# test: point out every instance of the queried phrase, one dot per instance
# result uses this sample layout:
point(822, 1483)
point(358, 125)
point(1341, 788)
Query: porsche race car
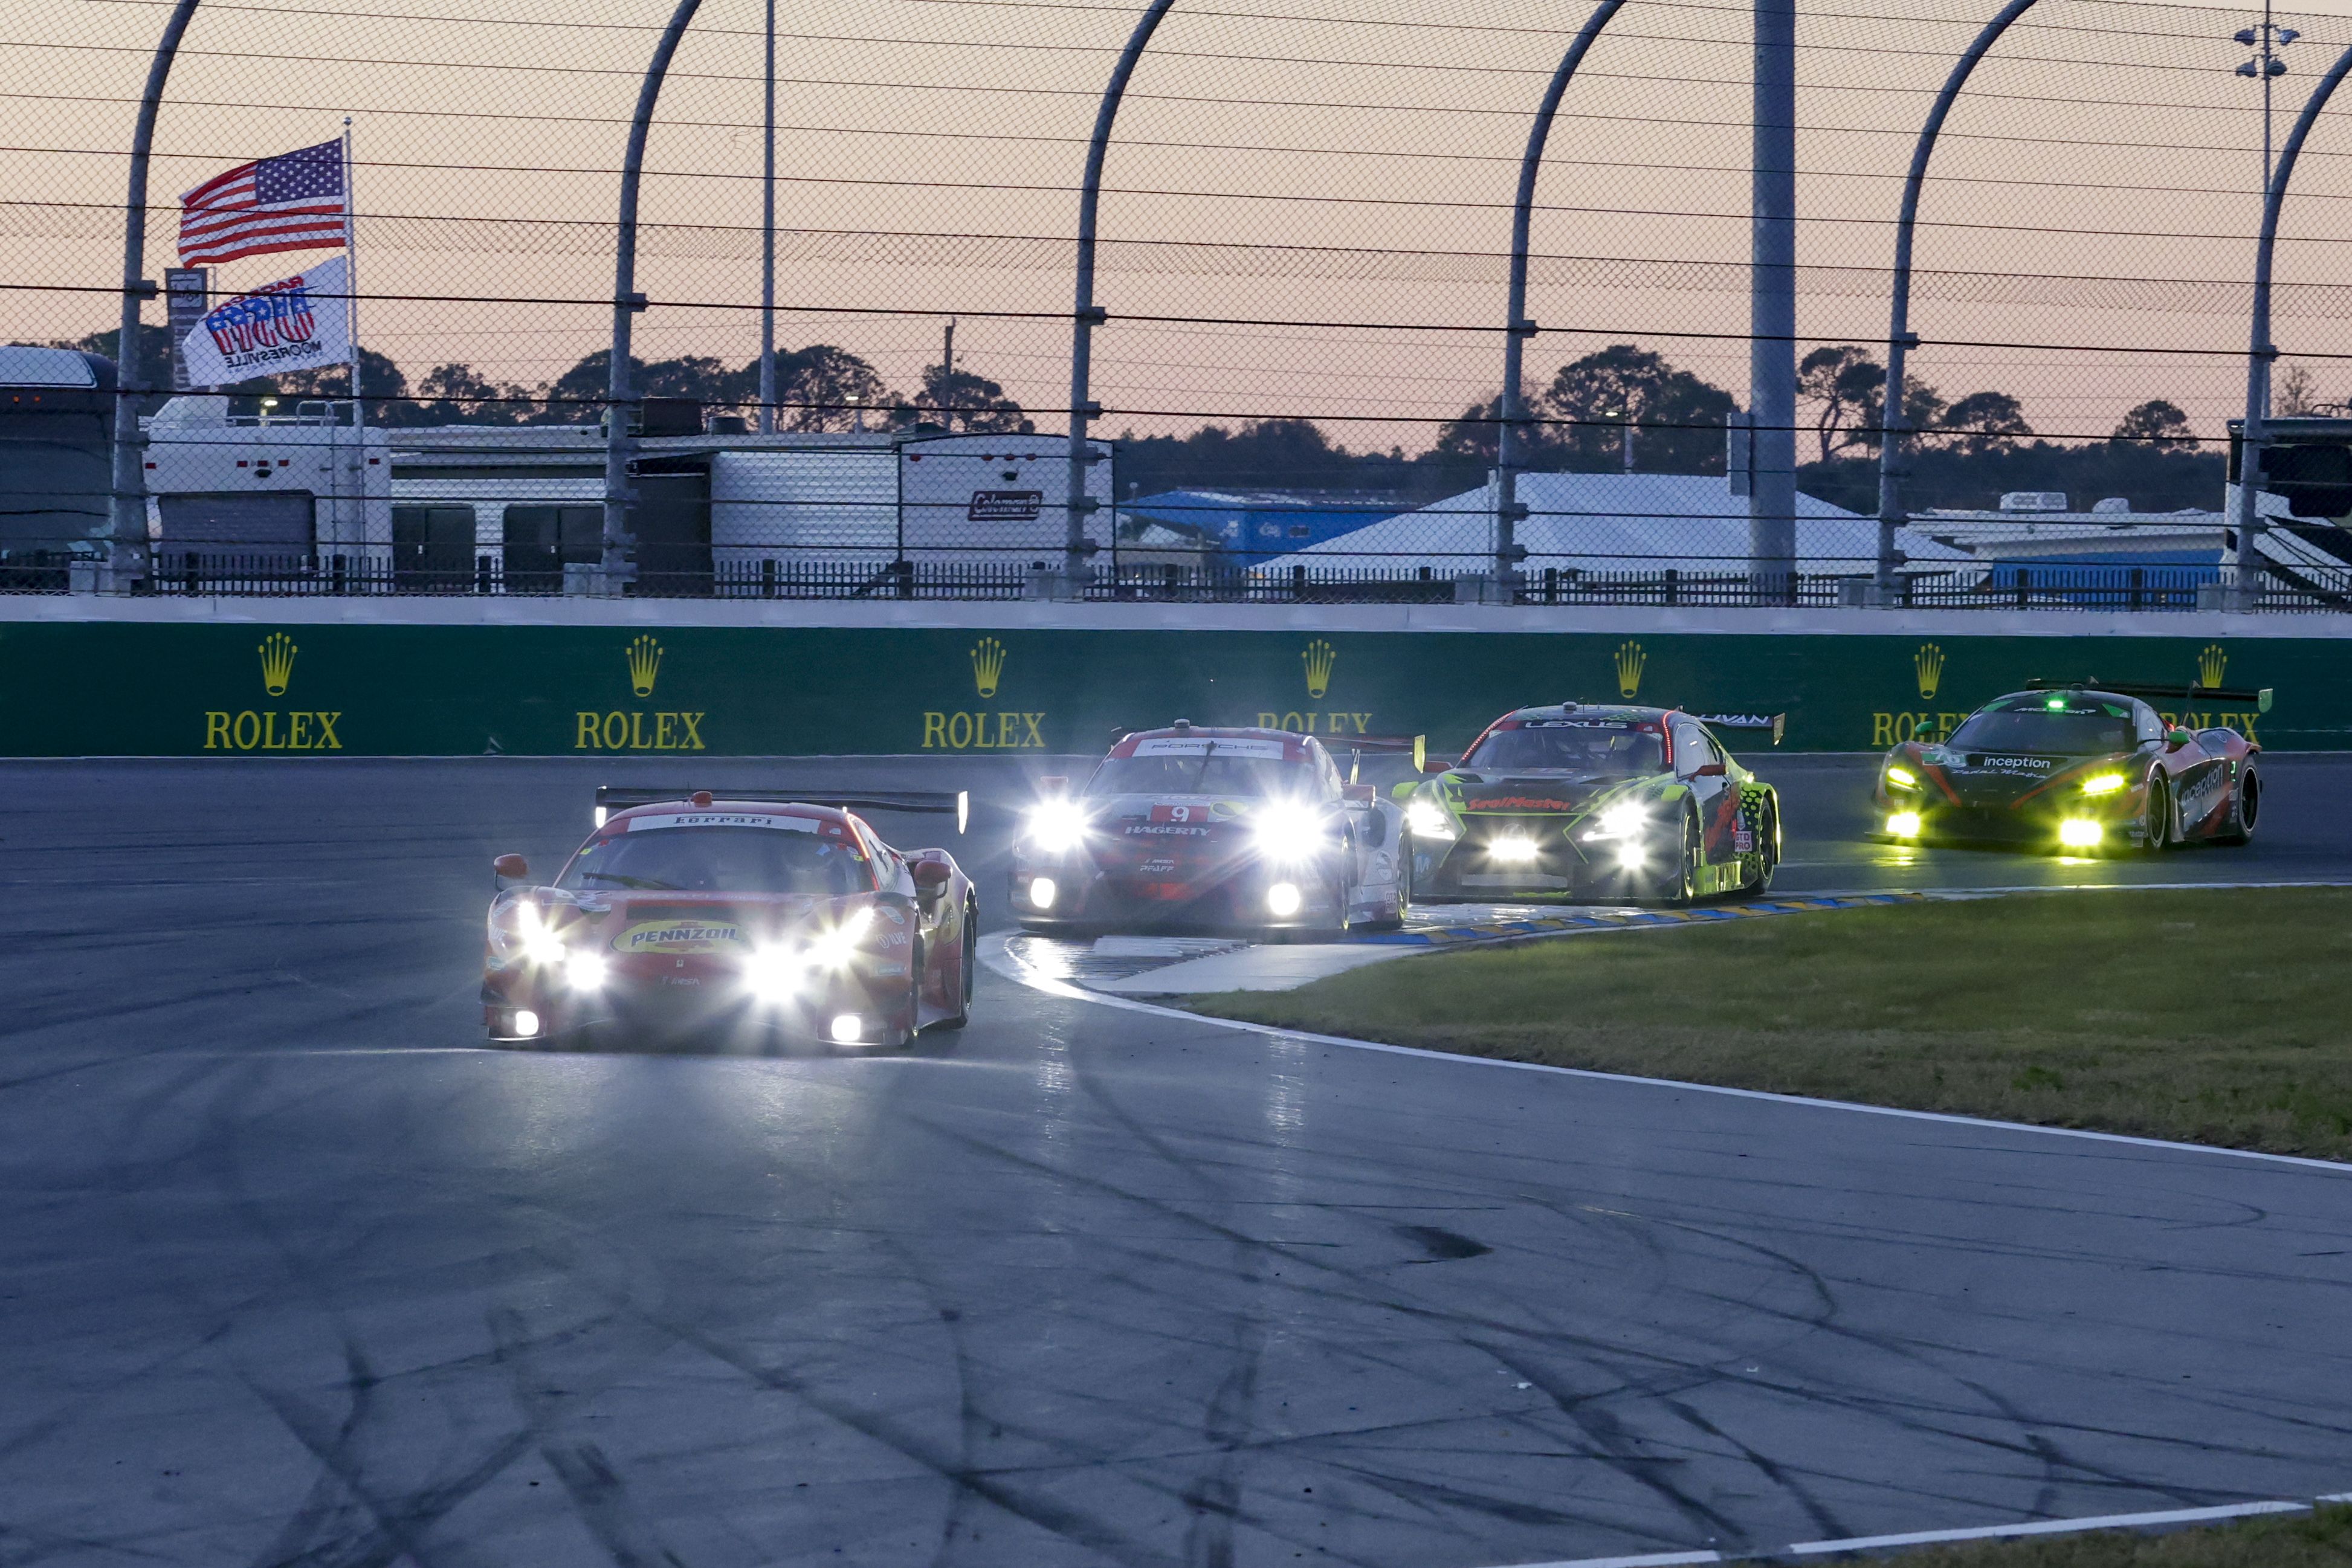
point(1578, 802)
point(2077, 769)
point(748, 917)
point(1240, 829)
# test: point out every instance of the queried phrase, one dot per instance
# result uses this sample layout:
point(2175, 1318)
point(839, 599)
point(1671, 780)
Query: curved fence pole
point(1898, 329)
point(127, 547)
point(618, 565)
point(2246, 516)
point(1089, 315)
point(1516, 327)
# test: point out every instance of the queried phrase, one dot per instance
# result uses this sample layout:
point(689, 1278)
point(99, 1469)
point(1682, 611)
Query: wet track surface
point(292, 1272)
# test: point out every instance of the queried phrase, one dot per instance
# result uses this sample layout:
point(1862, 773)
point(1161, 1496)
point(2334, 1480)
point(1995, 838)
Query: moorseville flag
point(293, 202)
point(296, 323)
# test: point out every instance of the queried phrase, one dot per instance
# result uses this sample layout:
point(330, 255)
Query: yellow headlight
point(1903, 777)
point(2076, 833)
point(2104, 783)
point(1903, 825)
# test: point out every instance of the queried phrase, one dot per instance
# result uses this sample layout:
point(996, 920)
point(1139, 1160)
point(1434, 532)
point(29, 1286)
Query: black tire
point(2245, 805)
point(1679, 888)
point(2156, 834)
point(1767, 846)
point(971, 958)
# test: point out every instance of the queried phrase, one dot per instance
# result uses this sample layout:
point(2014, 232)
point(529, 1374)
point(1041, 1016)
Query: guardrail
point(1978, 586)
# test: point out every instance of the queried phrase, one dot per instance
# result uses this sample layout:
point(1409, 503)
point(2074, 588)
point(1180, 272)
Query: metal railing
point(1975, 586)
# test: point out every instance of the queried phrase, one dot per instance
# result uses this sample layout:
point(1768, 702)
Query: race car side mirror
point(2177, 739)
point(509, 870)
point(930, 877)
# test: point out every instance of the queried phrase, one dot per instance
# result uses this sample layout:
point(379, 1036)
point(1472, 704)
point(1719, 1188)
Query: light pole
point(2246, 514)
point(767, 245)
point(618, 564)
point(1898, 327)
point(2266, 40)
point(127, 547)
point(1516, 329)
point(1088, 315)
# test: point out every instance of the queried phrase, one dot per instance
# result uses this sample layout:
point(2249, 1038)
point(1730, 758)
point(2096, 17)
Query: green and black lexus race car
point(1577, 801)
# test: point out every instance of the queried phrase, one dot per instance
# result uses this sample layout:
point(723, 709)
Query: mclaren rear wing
point(611, 798)
point(2258, 695)
point(1778, 723)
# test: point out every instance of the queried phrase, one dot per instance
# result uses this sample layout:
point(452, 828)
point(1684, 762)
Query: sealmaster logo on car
point(683, 937)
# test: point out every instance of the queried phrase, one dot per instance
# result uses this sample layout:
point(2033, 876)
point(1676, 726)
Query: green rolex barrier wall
point(197, 688)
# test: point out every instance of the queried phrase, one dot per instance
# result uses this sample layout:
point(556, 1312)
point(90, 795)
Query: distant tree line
point(1619, 407)
point(818, 388)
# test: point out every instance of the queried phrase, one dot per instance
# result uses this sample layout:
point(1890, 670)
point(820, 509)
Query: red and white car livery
point(750, 916)
point(1212, 828)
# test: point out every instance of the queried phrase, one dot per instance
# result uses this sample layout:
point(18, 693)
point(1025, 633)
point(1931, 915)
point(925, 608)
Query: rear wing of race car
point(1358, 746)
point(611, 798)
point(1778, 723)
point(2258, 695)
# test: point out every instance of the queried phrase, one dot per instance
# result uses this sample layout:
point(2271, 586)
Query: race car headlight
point(834, 949)
point(2080, 833)
point(2104, 783)
point(1625, 820)
point(1903, 825)
point(1515, 850)
point(1902, 779)
point(773, 973)
point(539, 944)
point(585, 970)
point(1429, 820)
point(1288, 830)
point(1057, 827)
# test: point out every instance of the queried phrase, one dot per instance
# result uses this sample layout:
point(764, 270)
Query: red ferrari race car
point(1251, 829)
point(745, 918)
point(2078, 768)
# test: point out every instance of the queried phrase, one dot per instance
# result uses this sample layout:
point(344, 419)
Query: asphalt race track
point(293, 1271)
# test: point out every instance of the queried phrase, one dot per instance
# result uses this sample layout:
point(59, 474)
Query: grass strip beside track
point(2211, 1017)
point(2320, 1539)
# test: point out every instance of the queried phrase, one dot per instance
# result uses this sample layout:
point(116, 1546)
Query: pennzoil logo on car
point(680, 937)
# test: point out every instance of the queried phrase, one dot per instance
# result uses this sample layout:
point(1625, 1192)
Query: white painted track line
point(993, 953)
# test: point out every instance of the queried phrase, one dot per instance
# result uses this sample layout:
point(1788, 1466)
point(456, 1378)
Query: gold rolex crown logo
point(987, 665)
point(2211, 666)
point(1629, 660)
point(644, 663)
point(1929, 662)
point(278, 652)
point(1319, 658)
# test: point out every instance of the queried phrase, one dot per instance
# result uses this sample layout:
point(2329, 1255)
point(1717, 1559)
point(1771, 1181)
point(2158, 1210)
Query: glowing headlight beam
point(1903, 825)
point(585, 970)
point(1057, 827)
point(1288, 830)
point(2080, 833)
point(539, 944)
point(1515, 850)
point(2104, 783)
point(1429, 820)
point(835, 949)
point(1903, 777)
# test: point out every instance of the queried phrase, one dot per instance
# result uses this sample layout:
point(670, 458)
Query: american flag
point(291, 202)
